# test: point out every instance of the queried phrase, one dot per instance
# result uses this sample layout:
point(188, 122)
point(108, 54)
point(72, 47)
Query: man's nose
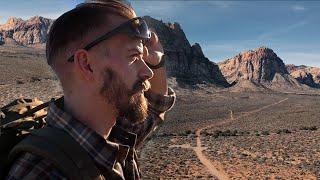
point(145, 72)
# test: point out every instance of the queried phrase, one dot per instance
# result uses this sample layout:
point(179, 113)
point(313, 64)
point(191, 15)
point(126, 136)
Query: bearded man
point(113, 77)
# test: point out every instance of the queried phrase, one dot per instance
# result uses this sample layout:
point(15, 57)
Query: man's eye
point(135, 57)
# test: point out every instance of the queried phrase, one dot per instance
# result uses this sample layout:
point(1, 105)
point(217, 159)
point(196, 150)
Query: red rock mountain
point(260, 68)
point(25, 32)
point(305, 74)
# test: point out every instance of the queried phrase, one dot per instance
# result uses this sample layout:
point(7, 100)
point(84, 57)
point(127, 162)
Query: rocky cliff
point(25, 32)
point(184, 61)
point(305, 74)
point(260, 68)
point(257, 65)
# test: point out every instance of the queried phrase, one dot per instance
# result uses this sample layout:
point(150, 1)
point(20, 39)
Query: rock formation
point(29, 32)
point(261, 68)
point(305, 74)
point(185, 62)
point(258, 65)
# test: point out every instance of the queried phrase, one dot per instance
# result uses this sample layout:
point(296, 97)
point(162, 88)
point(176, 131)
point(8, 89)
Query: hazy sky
point(222, 28)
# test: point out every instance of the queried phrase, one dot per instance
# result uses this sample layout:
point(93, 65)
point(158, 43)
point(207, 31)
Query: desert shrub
point(217, 133)
point(183, 133)
point(20, 82)
point(34, 79)
point(206, 133)
point(188, 132)
point(234, 133)
point(286, 131)
point(312, 128)
point(228, 132)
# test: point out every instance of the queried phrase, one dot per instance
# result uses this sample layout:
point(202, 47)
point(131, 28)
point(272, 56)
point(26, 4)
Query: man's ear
point(82, 62)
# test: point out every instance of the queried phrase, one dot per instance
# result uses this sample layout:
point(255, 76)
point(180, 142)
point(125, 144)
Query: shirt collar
point(104, 152)
point(122, 136)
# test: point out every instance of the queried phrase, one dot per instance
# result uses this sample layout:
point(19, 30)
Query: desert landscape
point(237, 136)
point(248, 117)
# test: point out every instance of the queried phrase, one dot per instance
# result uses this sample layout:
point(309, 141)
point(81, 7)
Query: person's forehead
point(115, 19)
point(125, 43)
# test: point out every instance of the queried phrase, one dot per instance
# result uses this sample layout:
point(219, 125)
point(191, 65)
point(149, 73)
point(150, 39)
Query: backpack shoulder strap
point(61, 149)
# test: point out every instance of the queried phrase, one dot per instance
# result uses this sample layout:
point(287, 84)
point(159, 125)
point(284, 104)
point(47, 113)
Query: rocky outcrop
point(184, 61)
point(305, 74)
point(260, 68)
point(26, 32)
point(258, 65)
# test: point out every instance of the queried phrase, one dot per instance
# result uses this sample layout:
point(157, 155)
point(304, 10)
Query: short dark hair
point(78, 22)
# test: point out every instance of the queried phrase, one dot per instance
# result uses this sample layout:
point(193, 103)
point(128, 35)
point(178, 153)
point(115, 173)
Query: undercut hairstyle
point(76, 24)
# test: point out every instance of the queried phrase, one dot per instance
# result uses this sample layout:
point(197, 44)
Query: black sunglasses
point(136, 27)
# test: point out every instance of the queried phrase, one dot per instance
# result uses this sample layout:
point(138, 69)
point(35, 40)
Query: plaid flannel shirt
point(115, 157)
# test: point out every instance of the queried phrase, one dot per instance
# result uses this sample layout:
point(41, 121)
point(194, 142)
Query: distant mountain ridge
point(184, 62)
point(258, 69)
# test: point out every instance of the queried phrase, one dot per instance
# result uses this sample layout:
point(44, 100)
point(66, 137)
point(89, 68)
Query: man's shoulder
point(31, 166)
point(51, 152)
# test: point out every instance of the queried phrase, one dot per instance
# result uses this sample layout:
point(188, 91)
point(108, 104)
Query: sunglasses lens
point(144, 30)
point(141, 30)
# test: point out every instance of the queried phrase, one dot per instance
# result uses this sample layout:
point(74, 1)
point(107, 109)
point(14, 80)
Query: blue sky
point(222, 28)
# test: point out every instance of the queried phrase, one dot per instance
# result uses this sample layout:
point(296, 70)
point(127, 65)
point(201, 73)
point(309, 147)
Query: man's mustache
point(141, 85)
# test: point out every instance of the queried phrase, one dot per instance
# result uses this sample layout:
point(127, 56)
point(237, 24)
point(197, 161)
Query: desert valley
point(247, 117)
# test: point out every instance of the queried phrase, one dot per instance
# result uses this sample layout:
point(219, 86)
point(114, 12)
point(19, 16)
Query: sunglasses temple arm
point(93, 43)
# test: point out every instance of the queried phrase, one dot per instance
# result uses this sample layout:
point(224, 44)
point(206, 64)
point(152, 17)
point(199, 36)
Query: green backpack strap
point(61, 149)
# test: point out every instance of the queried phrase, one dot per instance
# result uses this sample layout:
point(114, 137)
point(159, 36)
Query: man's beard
point(130, 103)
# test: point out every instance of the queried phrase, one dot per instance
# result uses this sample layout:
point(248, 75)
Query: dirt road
point(212, 166)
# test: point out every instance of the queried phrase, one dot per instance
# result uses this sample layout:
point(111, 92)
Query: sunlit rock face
point(26, 32)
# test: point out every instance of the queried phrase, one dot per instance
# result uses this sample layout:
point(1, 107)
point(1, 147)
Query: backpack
point(23, 129)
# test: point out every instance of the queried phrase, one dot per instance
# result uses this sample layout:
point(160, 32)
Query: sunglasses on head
point(136, 27)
